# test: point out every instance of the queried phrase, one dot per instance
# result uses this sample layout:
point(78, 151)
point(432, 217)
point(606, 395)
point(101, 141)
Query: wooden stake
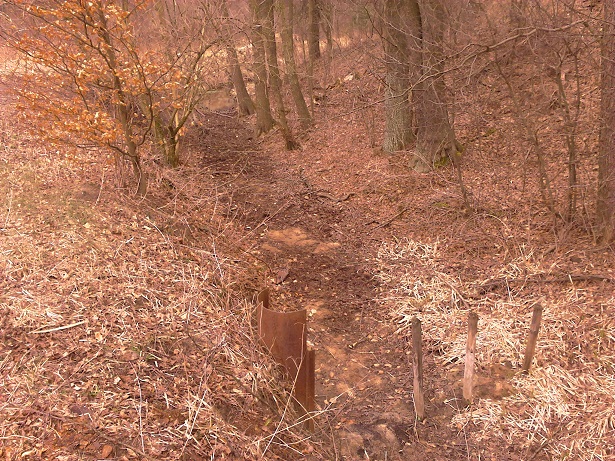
point(468, 375)
point(417, 368)
point(533, 338)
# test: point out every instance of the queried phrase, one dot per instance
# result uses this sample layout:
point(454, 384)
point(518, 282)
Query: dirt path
point(317, 223)
point(322, 243)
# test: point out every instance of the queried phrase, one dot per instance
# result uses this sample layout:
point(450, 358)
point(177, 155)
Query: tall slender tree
point(326, 14)
point(313, 29)
point(245, 104)
point(275, 81)
point(264, 118)
point(288, 47)
point(606, 160)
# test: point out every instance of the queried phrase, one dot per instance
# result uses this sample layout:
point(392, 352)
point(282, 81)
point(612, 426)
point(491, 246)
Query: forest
point(307, 230)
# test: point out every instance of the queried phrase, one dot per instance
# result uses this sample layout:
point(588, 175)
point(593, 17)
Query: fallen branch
point(63, 327)
point(562, 279)
point(389, 221)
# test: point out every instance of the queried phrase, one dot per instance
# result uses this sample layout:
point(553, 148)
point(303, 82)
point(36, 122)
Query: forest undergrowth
point(126, 324)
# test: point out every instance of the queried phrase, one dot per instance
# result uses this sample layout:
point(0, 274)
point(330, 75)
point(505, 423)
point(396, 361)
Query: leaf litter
point(566, 402)
point(122, 336)
point(164, 364)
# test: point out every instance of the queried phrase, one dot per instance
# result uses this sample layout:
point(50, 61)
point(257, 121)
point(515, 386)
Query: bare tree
point(606, 159)
point(109, 56)
point(288, 47)
point(314, 29)
point(182, 33)
point(264, 118)
point(413, 37)
point(245, 104)
point(94, 82)
point(275, 81)
point(111, 74)
point(326, 13)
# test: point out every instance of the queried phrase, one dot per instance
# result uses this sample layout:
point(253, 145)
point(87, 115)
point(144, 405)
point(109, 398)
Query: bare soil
point(326, 239)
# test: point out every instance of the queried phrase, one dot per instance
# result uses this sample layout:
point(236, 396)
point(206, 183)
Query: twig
point(389, 221)
point(452, 287)
point(221, 114)
point(533, 338)
point(64, 327)
point(102, 183)
point(305, 181)
point(140, 410)
point(321, 193)
point(191, 424)
point(563, 279)
point(468, 375)
point(417, 369)
point(124, 445)
point(121, 245)
point(265, 221)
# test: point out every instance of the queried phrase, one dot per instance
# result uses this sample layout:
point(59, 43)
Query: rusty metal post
point(284, 334)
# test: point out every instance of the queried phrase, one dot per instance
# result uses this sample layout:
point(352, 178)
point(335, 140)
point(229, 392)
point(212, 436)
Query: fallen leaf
point(106, 451)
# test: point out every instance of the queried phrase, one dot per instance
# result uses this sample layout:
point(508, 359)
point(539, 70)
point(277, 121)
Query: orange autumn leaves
point(100, 74)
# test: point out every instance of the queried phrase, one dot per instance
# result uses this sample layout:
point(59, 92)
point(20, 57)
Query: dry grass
point(125, 329)
point(566, 404)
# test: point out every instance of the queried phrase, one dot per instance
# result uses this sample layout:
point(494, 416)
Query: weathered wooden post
point(417, 368)
point(533, 338)
point(468, 375)
point(285, 336)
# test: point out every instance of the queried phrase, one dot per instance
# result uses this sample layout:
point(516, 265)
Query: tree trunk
point(314, 29)
point(275, 82)
point(264, 119)
point(245, 105)
point(398, 130)
point(435, 136)
point(605, 209)
point(288, 47)
point(121, 107)
point(168, 141)
point(326, 11)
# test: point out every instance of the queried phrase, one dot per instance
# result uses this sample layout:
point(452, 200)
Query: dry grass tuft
point(124, 326)
point(566, 404)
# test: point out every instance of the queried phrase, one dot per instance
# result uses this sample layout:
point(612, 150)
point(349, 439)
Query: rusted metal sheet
point(284, 334)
